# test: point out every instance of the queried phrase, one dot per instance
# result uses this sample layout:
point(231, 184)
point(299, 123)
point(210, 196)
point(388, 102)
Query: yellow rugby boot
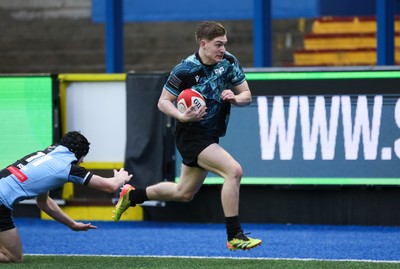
point(242, 242)
point(123, 202)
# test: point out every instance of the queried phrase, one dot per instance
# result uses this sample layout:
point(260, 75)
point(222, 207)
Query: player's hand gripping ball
point(188, 97)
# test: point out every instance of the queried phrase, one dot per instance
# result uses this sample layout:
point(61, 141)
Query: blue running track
point(375, 243)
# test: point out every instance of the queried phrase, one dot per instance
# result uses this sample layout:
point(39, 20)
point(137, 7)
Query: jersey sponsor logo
point(17, 173)
point(219, 71)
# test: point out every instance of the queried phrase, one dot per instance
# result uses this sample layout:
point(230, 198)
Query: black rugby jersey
point(210, 81)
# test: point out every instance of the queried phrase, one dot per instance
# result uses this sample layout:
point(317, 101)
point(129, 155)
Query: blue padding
point(178, 10)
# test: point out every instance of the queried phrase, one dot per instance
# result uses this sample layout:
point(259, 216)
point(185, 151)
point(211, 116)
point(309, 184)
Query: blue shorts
point(6, 219)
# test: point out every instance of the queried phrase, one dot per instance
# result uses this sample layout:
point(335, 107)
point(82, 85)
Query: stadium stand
point(338, 41)
point(55, 36)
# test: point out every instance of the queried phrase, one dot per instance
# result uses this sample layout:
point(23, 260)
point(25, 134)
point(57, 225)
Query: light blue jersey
point(39, 173)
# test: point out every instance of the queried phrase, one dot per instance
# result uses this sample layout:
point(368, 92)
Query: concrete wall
point(58, 36)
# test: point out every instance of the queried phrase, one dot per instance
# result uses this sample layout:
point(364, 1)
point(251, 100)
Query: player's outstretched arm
point(51, 208)
point(111, 184)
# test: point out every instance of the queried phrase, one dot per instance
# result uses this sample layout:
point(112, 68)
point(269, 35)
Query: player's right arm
point(47, 205)
point(167, 106)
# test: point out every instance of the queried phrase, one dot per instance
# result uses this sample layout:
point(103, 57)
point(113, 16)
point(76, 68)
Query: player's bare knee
point(7, 258)
point(237, 173)
point(18, 259)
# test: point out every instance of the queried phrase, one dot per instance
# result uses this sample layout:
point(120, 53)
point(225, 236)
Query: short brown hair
point(209, 30)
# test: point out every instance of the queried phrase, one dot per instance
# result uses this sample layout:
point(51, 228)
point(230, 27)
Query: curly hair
point(76, 143)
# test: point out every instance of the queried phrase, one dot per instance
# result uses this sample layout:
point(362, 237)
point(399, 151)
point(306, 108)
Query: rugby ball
point(188, 97)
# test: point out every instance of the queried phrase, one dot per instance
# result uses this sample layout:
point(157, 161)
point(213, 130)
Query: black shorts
point(190, 143)
point(6, 220)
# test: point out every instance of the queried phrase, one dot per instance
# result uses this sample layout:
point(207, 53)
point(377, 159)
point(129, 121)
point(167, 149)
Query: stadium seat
point(341, 41)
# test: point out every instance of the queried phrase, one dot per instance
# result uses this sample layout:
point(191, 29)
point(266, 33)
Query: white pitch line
point(220, 257)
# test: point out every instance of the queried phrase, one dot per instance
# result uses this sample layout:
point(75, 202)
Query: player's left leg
point(217, 160)
point(10, 242)
point(10, 246)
